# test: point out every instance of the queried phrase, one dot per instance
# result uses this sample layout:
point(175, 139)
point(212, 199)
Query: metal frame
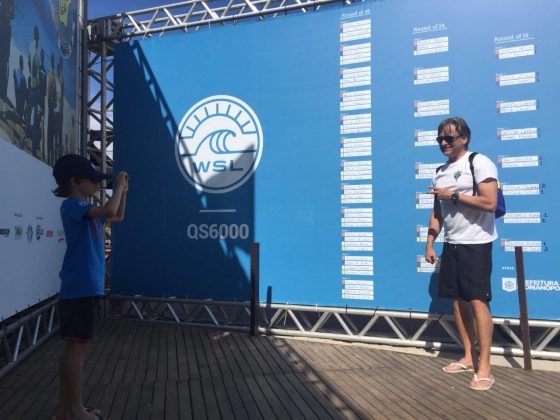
point(99, 108)
point(22, 334)
point(197, 13)
point(397, 328)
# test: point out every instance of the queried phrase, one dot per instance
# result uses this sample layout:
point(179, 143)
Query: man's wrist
point(455, 197)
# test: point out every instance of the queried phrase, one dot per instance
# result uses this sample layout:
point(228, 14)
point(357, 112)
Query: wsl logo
point(219, 144)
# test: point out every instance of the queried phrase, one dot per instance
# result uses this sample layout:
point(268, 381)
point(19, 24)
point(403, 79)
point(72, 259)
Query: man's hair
point(460, 125)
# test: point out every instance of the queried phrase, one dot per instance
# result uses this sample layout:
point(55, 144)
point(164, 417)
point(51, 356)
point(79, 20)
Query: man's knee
point(480, 306)
point(460, 304)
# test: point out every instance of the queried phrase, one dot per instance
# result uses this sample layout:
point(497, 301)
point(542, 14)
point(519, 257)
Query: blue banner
point(315, 136)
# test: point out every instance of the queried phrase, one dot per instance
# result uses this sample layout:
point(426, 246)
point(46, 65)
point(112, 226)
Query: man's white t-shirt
point(463, 224)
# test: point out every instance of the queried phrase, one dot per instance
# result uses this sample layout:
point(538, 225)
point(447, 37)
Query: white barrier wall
point(32, 241)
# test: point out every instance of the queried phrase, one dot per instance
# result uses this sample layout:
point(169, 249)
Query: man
point(58, 138)
point(34, 64)
point(468, 219)
point(20, 88)
point(6, 17)
point(52, 102)
point(42, 109)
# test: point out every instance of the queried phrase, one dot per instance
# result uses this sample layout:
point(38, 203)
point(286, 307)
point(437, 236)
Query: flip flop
point(93, 410)
point(464, 368)
point(490, 382)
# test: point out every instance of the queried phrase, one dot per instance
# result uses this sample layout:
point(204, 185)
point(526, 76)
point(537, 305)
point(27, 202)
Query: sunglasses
point(448, 139)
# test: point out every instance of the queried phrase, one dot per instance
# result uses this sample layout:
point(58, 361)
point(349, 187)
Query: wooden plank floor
point(140, 370)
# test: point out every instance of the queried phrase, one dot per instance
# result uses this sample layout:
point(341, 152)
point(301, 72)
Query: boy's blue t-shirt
point(83, 269)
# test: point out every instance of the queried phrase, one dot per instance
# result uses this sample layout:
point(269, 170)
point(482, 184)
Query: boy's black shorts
point(465, 271)
point(77, 318)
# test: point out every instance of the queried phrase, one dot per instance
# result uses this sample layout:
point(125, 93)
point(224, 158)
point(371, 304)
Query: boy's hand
point(122, 180)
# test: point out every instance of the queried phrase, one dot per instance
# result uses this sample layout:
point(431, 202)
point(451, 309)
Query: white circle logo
point(219, 144)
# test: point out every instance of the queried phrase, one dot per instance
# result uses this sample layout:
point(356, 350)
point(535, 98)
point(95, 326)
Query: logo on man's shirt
point(457, 175)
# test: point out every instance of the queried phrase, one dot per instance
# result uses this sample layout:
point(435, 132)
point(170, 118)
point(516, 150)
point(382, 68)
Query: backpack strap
point(474, 185)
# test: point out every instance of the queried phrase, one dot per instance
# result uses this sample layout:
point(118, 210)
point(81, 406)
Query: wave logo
point(219, 144)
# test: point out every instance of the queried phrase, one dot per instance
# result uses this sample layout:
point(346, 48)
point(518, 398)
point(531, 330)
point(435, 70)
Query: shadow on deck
point(140, 370)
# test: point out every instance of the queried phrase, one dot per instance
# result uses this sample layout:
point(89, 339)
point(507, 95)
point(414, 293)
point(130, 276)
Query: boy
point(83, 270)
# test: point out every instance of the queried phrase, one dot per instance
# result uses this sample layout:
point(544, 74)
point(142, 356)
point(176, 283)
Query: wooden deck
point(140, 370)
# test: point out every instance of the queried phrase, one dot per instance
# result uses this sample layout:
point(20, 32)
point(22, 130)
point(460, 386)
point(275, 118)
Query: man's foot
point(459, 366)
point(482, 383)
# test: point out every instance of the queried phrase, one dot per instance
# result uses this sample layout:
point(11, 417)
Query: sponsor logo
point(219, 144)
point(39, 232)
point(18, 230)
point(509, 284)
point(29, 233)
point(60, 234)
point(543, 285)
point(5, 232)
point(50, 233)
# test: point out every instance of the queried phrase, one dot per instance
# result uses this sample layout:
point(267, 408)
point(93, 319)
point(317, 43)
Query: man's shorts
point(77, 318)
point(465, 271)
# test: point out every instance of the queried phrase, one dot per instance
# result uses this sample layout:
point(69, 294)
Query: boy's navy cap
point(69, 166)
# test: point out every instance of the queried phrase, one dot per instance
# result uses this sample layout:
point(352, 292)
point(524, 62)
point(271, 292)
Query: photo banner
point(38, 115)
point(314, 135)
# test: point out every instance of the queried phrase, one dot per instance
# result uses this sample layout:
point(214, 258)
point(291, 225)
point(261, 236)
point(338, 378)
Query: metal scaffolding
point(25, 333)
point(374, 326)
point(193, 14)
